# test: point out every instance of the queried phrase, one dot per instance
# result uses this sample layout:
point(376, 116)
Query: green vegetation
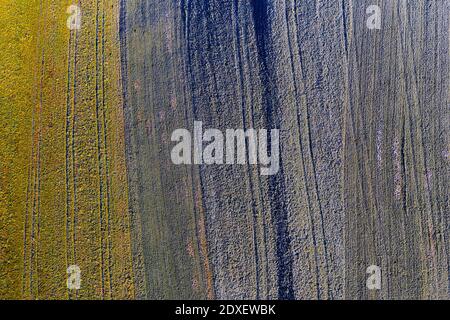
point(63, 197)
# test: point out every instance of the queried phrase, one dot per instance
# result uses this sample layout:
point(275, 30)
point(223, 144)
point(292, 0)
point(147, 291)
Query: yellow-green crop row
point(18, 54)
point(63, 196)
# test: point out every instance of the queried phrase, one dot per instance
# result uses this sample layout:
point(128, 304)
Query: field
point(86, 176)
point(63, 177)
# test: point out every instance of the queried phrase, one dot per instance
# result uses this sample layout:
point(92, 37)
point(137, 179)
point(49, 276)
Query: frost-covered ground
point(364, 122)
